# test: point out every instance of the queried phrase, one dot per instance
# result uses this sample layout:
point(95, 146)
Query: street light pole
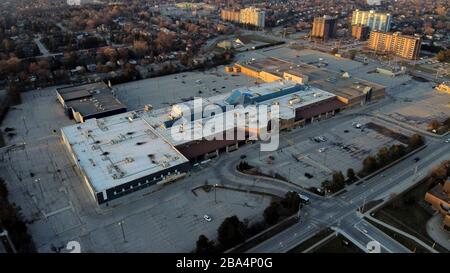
point(215, 193)
point(298, 212)
point(123, 231)
point(10, 243)
point(364, 204)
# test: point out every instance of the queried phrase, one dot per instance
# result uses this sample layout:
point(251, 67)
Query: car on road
point(308, 175)
point(416, 159)
point(207, 218)
point(243, 156)
point(320, 139)
point(304, 199)
point(447, 140)
point(321, 150)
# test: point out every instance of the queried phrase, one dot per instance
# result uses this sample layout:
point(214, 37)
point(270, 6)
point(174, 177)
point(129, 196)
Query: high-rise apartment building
point(253, 16)
point(380, 21)
point(324, 27)
point(360, 32)
point(230, 15)
point(404, 46)
point(248, 16)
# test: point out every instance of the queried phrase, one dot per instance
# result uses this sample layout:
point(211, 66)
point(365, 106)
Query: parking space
point(59, 208)
point(176, 229)
point(43, 181)
point(39, 116)
point(309, 162)
point(368, 73)
point(416, 104)
point(166, 90)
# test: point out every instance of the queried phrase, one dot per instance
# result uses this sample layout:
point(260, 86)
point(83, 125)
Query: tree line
point(11, 219)
point(233, 231)
point(372, 163)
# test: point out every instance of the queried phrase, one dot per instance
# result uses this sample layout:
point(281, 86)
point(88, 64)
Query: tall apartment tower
point(324, 27)
point(230, 15)
point(253, 16)
point(360, 32)
point(380, 21)
point(404, 46)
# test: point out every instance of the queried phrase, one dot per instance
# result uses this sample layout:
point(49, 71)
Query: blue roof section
point(246, 97)
point(233, 99)
point(280, 93)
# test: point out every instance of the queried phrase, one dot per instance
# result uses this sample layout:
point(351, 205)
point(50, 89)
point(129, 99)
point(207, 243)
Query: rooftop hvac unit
point(148, 108)
point(294, 101)
point(129, 159)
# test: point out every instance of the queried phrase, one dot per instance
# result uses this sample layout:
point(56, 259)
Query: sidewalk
point(437, 233)
point(401, 232)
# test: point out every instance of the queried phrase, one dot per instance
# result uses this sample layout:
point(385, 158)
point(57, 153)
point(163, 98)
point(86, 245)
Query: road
point(44, 51)
point(361, 233)
point(430, 77)
point(339, 211)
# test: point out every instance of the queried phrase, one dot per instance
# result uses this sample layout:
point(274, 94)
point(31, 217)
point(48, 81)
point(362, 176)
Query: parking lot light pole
point(10, 243)
point(123, 231)
point(215, 193)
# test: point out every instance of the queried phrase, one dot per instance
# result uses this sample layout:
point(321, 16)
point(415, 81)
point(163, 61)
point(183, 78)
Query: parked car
point(207, 218)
